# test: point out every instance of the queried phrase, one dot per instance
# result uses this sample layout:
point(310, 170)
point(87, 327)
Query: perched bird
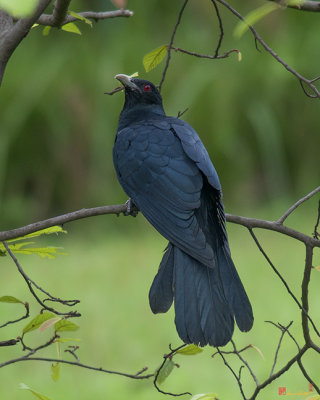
point(166, 171)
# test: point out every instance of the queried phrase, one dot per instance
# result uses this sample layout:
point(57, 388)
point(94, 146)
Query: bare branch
point(302, 79)
point(62, 219)
point(171, 43)
point(297, 204)
point(307, 5)
point(60, 11)
point(233, 373)
point(29, 282)
point(216, 53)
point(26, 305)
point(283, 331)
point(211, 57)
point(304, 294)
point(48, 19)
point(156, 375)
point(11, 38)
point(304, 311)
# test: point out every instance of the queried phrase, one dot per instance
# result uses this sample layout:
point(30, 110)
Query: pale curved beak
point(126, 81)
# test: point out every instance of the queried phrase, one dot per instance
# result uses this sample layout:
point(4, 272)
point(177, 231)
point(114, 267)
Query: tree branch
point(48, 19)
point(302, 79)
point(307, 5)
point(297, 204)
point(11, 38)
point(60, 11)
point(171, 43)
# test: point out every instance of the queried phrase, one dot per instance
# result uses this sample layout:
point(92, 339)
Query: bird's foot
point(131, 209)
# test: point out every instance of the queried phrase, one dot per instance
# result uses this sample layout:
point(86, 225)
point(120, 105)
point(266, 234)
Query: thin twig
point(29, 283)
point(305, 312)
point(297, 204)
point(211, 57)
point(26, 305)
point(171, 43)
point(308, 82)
point(156, 375)
point(216, 53)
point(245, 362)
point(283, 331)
point(233, 373)
point(316, 234)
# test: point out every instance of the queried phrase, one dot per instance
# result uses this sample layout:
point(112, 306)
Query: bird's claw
point(131, 209)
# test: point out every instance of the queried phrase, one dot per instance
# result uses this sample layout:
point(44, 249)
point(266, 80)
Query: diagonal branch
point(302, 79)
point(171, 43)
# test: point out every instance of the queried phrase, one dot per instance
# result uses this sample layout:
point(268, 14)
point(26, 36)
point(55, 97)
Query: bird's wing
point(195, 149)
point(164, 183)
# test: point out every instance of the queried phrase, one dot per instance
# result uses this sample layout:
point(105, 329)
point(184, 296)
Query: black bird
point(166, 171)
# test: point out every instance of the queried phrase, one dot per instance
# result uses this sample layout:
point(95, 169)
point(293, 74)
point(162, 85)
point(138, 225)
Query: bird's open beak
point(126, 81)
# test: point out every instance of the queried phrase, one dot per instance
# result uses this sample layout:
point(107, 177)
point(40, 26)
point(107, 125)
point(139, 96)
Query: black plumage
point(165, 169)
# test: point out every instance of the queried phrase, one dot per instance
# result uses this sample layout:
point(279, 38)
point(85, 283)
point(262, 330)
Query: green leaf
point(134, 75)
point(46, 231)
point(205, 396)
point(19, 8)
point(165, 371)
point(10, 299)
point(43, 252)
point(48, 323)
point(257, 350)
point(38, 321)
point(71, 27)
point(152, 59)
point(78, 16)
point(65, 325)
point(65, 340)
point(189, 350)
point(55, 371)
point(253, 17)
point(46, 30)
point(36, 394)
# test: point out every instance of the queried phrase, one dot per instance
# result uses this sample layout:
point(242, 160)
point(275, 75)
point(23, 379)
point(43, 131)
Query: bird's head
point(139, 92)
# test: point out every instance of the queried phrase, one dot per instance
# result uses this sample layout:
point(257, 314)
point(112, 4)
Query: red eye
point(147, 88)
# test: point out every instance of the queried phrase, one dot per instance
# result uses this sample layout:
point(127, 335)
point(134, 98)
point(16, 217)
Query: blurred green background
point(57, 130)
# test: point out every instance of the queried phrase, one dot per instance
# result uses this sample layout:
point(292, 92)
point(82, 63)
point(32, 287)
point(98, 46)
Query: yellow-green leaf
point(257, 350)
point(49, 322)
point(316, 397)
point(10, 299)
point(134, 75)
point(71, 27)
point(189, 350)
point(152, 59)
point(46, 30)
point(165, 370)
point(255, 16)
point(205, 396)
point(239, 56)
point(37, 321)
point(46, 231)
point(65, 340)
point(36, 394)
point(43, 252)
point(78, 16)
point(55, 371)
point(19, 8)
point(65, 325)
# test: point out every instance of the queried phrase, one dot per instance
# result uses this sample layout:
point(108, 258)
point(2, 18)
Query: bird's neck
point(139, 113)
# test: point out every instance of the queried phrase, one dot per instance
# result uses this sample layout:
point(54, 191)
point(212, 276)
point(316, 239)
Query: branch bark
point(48, 19)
